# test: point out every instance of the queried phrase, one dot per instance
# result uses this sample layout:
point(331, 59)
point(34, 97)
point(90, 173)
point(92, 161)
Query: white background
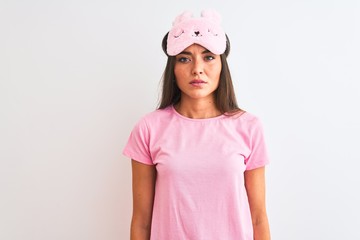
point(76, 75)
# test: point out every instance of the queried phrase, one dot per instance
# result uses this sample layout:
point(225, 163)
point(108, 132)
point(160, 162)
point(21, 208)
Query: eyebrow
point(189, 53)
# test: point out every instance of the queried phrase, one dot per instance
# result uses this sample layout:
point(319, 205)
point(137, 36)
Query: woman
point(198, 161)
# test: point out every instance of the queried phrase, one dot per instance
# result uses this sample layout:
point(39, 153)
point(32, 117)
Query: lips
point(197, 83)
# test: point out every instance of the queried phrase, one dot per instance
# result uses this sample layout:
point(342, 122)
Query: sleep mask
point(205, 31)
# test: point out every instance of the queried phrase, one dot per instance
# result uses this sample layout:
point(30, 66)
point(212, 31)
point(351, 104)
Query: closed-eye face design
point(205, 31)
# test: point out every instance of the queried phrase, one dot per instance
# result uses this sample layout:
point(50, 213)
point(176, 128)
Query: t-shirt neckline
point(195, 119)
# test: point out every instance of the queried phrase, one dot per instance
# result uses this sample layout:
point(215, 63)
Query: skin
point(143, 186)
point(195, 62)
point(255, 188)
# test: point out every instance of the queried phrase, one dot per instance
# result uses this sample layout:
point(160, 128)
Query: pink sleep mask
point(205, 31)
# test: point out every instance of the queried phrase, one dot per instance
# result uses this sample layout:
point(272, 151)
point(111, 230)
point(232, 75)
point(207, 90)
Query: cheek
point(216, 72)
point(178, 72)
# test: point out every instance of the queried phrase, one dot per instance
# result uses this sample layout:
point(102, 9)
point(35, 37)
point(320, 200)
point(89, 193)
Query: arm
point(143, 181)
point(255, 187)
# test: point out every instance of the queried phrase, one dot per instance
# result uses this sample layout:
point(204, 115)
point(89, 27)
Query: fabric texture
point(205, 31)
point(200, 163)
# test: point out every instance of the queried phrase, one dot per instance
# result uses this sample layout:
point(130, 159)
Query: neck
point(198, 109)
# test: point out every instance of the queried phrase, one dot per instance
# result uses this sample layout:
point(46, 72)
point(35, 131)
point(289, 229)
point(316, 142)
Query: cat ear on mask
point(182, 17)
point(212, 15)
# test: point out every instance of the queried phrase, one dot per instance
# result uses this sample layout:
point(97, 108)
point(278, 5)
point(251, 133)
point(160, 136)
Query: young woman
point(198, 161)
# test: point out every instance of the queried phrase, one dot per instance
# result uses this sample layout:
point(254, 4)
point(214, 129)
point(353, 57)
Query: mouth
point(197, 82)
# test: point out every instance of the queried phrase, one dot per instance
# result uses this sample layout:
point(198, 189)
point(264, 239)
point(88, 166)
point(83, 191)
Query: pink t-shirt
point(200, 163)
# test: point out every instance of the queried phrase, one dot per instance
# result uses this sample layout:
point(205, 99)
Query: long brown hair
point(225, 98)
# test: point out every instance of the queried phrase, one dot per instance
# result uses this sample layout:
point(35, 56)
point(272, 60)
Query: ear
point(182, 17)
point(212, 15)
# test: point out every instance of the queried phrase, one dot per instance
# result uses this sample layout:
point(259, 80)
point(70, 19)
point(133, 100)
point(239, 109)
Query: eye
point(209, 58)
point(183, 59)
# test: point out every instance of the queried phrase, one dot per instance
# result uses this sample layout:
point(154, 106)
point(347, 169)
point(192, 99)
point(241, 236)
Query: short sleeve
point(258, 156)
point(137, 147)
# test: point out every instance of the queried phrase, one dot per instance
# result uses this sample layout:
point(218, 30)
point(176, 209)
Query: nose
point(198, 67)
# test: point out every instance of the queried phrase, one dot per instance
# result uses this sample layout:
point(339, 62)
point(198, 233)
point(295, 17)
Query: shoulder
point(245, 122)
point(155, 117)
point(244, 118)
